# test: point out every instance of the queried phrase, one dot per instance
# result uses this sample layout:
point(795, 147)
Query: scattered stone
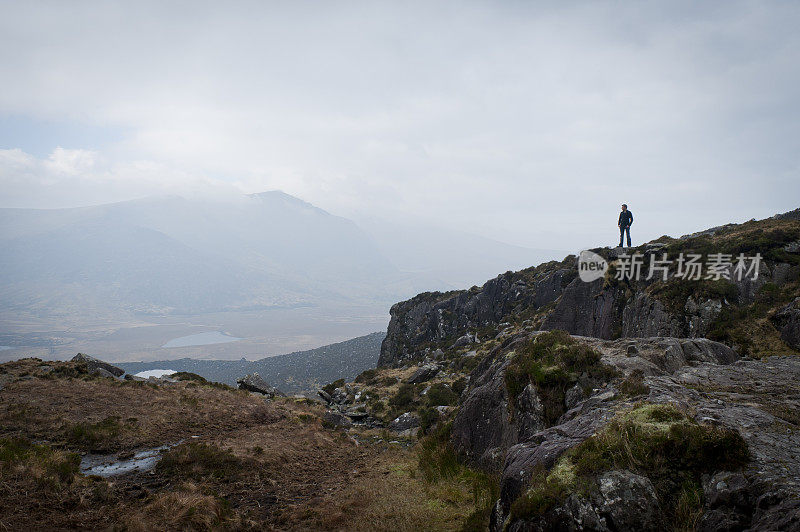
point(357, 412)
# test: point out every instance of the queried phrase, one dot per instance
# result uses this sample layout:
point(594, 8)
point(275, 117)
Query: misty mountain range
point(176, 256)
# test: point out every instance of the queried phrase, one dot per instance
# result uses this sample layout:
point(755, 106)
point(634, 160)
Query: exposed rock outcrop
point(96, 366)
point(436, 316)
point(560, 300)
point(754, 398)
point(254, 383)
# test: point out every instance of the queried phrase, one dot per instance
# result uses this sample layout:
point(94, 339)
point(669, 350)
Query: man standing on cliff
point(625, 221)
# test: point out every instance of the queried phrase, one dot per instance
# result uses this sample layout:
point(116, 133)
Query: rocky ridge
point(552, 296)
point(559, 373)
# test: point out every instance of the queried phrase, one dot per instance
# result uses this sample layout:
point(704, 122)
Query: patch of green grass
point(68, 370)
point(440, 394)
point(439, 463)
point(306, 418)
point(735, 325)
point(554, 362)
point(427, 418)
point(437, 458)
point(389, 381)
point(654, 440)
point(48, 467)
point(459, 386)
point(100, 435)
point(198, 461)
point(545, 493)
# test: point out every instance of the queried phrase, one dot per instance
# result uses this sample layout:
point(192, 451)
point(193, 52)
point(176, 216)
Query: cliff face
point(431, 317)
point(552, 296)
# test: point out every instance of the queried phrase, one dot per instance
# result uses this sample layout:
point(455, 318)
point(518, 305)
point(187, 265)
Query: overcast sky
point(528, 122)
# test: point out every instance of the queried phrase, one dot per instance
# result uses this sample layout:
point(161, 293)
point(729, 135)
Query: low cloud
point(528, 123)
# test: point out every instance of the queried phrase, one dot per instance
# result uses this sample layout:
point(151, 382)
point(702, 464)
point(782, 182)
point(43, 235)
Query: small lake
point(206, 338)
point(154, 373)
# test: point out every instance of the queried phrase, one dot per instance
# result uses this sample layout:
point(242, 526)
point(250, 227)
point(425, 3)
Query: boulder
point(92, 364)
point(102, 372)
point(629, 502)
point(467, 339)
point(254, 383)
point(425, 373)
point(403, 422)
point(336, 419)
point(356, 412)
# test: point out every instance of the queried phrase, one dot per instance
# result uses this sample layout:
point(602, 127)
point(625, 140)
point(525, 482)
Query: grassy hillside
point(236, 461)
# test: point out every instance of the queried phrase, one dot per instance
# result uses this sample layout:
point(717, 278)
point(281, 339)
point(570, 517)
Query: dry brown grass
point(292, 473)
point(186, 508)
point(385, 494)
point(50, 409)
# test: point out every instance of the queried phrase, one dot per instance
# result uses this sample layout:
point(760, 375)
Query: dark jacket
point(625, 218)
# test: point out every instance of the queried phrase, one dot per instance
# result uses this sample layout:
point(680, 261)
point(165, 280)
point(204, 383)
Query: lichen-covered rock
point(629, 502)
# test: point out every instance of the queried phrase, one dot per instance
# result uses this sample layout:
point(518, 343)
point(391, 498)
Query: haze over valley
point(267, 273)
